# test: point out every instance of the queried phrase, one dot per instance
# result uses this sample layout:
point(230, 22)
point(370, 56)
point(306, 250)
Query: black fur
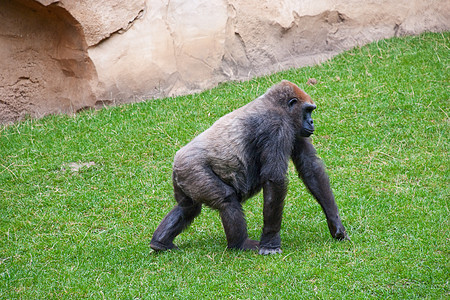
point(242, 153)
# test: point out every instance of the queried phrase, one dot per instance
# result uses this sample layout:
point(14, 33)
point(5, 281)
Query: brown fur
point(300, 93)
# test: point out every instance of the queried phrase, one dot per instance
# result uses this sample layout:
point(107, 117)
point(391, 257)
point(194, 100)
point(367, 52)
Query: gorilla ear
point(292, 102)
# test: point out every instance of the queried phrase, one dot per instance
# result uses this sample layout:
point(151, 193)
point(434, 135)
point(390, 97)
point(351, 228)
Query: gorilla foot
point(250, 245)
point(267, 251)
point(157, 246)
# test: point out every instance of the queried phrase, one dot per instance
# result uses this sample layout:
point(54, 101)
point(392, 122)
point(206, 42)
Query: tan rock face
point(44, 63)
point(63, 56)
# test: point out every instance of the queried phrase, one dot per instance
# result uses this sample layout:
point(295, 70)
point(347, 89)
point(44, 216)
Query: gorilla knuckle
point(268, 251)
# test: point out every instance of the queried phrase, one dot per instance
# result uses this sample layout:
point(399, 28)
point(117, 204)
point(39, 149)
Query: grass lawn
point(382, 128)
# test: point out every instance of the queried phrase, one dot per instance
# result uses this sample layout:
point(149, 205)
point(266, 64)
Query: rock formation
point(64, 56)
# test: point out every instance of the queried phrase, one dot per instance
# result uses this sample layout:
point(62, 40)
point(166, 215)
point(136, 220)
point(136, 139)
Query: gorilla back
point(241, 153)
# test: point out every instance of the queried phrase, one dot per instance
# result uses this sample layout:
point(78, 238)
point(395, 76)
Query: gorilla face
point(307, 122)
point(300, 107)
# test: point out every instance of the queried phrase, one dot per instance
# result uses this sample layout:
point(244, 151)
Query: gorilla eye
point(292, 102)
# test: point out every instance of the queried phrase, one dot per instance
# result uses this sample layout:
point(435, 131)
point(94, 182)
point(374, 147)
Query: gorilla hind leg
point(214, 192)
point(235, 226)
point(178, 219)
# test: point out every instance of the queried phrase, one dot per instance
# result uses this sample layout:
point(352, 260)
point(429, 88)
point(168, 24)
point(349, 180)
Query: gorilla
point(243, 152)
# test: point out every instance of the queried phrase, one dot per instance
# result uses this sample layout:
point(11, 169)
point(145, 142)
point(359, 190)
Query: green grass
point(382, 130)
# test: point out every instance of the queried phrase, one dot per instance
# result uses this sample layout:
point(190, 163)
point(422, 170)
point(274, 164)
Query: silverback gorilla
point(243, 152)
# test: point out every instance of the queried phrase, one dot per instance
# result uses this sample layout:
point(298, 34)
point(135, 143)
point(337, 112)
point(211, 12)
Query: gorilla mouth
point(306, 133)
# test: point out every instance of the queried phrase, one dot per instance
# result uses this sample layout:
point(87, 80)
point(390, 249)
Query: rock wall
point(45, 67)
point(63, 56)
